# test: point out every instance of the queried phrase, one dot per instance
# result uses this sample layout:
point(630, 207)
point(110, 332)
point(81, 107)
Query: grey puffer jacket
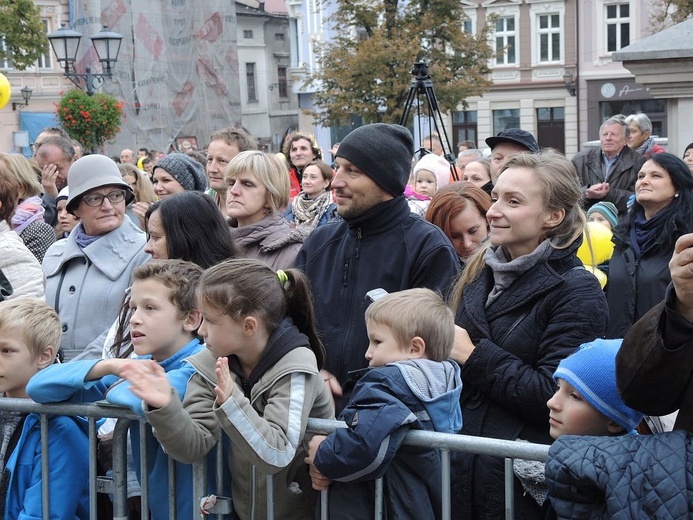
point(620, 478)
point(271, 240)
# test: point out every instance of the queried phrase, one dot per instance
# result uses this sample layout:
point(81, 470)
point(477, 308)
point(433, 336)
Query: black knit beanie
point(187, 171)
point(381, 151)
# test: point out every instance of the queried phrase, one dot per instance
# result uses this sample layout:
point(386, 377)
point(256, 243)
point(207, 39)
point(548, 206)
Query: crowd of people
point(229, 297)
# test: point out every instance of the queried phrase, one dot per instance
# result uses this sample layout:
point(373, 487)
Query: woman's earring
point(676, 194)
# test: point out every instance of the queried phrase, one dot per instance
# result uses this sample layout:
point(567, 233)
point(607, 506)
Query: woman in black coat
point(524, 303)
point(639, 267)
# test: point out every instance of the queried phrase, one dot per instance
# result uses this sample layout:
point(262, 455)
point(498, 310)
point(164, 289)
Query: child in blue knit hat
point(586, 402)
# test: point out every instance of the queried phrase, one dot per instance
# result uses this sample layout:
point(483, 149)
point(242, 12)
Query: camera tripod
point(422, 87)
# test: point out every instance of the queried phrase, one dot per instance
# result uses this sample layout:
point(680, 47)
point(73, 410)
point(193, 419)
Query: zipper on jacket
point(358, 242)
point(345, 276)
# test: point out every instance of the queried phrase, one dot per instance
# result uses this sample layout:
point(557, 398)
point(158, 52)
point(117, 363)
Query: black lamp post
point(570, 84)
point(26, 96)
point(65, 43)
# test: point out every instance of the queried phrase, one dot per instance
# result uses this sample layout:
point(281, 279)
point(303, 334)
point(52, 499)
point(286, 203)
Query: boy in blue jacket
point(409, 384)
point(30, 333)
point(163, 320)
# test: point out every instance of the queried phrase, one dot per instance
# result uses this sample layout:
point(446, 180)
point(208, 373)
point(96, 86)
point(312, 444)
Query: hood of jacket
point(438, 386)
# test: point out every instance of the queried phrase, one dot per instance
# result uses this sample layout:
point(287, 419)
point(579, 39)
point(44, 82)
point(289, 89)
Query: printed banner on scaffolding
point(177, 71)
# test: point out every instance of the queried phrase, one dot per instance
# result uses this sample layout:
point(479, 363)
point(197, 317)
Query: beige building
point(45, 79)
point(541, 45)
point(173, 79)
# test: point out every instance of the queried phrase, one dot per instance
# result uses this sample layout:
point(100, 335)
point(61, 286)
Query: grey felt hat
point(91, 172)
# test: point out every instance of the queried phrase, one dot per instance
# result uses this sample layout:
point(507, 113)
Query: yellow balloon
point(4, 90)
point(597, 246)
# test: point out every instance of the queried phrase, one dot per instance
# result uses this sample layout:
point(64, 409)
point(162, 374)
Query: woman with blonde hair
point(524, 303)
point(27, 220)
point(257, 193)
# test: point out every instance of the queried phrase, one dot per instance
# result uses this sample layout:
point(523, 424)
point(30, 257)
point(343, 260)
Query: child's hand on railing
point(318, 480)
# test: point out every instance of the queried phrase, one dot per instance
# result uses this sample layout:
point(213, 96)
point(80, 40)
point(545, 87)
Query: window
point(248, 34)
point(7, 62)
point(549, 33)
point(506, 118)
point(617, 26)
point(551, 127)
point(282, 83)
point(44, 61)
point(279, 37)
point(464, 127)
point(506, 51)
point(250, 81)
point(467, 26)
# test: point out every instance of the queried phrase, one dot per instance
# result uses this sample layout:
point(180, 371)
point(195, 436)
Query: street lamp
point(65, 43)
point(26, 96)
point(570, 84)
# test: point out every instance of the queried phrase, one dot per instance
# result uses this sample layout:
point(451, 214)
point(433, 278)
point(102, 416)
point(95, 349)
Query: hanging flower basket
point(91, 120)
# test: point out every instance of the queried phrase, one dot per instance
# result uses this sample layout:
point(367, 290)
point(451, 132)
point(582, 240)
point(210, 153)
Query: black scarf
point(644, 233)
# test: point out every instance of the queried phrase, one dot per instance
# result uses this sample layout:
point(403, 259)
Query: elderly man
point(379, 244)
point(54, 156)
point(127, 157)
point(465, 157)
point(608, 173)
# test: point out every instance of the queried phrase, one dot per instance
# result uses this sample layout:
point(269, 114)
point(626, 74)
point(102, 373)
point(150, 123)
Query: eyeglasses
point(95, 200)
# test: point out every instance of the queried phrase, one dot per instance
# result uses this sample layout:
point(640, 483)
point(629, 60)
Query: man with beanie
point(379, 244)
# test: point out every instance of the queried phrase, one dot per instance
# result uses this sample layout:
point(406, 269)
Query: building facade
point(179, 72)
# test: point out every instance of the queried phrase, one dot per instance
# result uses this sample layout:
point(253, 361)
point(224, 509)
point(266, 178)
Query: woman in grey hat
point(177, 173)
point(87, 273)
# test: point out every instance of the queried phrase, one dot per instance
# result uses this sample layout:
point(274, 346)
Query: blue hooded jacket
point(386, 403)
point(66, 383)
point(68, 460)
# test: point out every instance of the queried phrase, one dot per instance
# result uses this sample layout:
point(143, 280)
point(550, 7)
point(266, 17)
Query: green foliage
point(23, 31)
point(368, 65)
point(90, 119)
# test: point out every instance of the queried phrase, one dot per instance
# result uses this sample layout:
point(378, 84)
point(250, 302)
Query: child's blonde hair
point(38, 323)
point(417, 312)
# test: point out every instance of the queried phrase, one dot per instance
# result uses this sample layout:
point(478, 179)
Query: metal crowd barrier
point(117, 486)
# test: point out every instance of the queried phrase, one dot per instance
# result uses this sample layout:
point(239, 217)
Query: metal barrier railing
point(118, 486)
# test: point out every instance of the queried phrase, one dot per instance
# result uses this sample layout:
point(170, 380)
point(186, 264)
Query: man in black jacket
point(379, 244)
